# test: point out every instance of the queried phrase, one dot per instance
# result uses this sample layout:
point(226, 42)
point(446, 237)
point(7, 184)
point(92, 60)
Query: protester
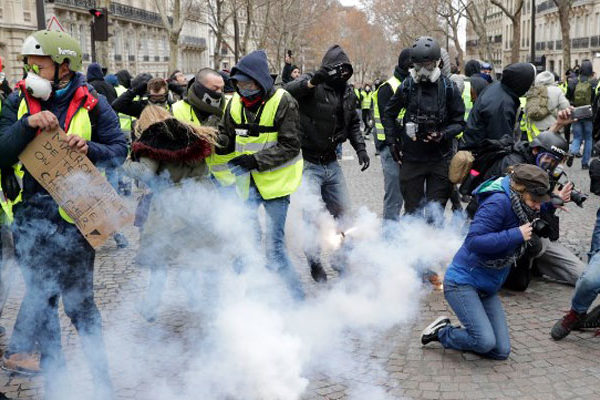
point(56, 260)
point(133, 101)
point(366, 106)
point(497, 236)
point(581, 92)
point(290, 71)
point(95, 77)
point(392, 197)
point(494, 115)
point(327, 119)
point(434, 112)
point(167, 152)
point(262, 125)
point(177, 83)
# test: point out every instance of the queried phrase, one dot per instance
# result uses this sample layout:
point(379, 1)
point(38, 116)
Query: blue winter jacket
point(107, 147)
point(493, 234)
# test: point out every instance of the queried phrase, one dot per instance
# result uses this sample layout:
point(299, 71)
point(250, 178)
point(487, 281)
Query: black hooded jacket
point(95, 77)
point(327, 116)
point(494, 113)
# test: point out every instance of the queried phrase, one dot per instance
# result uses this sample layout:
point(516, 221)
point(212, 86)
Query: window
point(83, 39)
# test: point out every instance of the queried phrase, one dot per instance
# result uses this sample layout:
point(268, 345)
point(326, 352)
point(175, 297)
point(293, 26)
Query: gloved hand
point(10, 184)
point(141, 87)
point(363, 159)
point(394, 146)
point(243, 164)
point(434, 137)
point(319, 77)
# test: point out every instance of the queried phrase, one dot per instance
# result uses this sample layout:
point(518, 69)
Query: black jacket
point(450, 109)
point(126, 104)
point(95, 77)
point(494, 113)
point(320, 126)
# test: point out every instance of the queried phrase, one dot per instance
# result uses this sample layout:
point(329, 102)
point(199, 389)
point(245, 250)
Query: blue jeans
point(588, 286)
point(392, 197)
point(327, 181)
point(276, 252)
point(595, 247)
point(485, 330)
point(582, 130)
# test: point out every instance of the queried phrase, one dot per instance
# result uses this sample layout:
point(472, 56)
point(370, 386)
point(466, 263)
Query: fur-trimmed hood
point(171, 141)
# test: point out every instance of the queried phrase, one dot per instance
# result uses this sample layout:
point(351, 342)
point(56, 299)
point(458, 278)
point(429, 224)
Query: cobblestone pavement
point(538, 367)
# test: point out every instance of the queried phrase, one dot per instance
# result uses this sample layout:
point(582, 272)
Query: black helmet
point(425, 49)
point(551, 143)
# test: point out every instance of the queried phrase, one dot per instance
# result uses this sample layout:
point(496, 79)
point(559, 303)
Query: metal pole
point(41, 14)
point(93, 41)
point(532, 49)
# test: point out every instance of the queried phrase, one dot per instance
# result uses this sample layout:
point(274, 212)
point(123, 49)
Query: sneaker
point(318, 272)
point(430, 334)
point(21, 363)
point(564, 326)
point(120, 240)
point(592, 319)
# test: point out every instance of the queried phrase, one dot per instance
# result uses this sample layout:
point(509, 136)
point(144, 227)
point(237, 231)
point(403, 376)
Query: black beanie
point(404, 59)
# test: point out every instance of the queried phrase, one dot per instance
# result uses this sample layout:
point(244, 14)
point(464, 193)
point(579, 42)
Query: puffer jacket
point(494, 234)
point(318, 120)
point(557, 100)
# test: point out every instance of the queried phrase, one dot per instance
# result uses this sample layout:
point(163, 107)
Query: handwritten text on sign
point(76, 186)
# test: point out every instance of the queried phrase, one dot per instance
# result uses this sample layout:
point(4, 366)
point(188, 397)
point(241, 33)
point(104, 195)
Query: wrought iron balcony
point(83, 4)
point(595, 41)
point(133, 13)
point(580, 43)
point(193, 41)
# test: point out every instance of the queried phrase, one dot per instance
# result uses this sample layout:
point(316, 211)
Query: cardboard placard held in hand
point(76, 186)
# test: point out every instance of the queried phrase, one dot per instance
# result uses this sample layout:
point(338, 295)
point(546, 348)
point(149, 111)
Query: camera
point(582, 112)
point(557, 175)
point(547, 226)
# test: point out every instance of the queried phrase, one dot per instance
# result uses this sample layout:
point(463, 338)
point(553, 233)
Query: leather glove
point(394, 146)
point(10, 184)
point(363, 159)
point(242, 164)
point(319, 77)
point(434, 137)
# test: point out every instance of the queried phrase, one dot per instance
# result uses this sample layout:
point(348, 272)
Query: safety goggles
point(547, 161)
point(428, 65)
point(31, 68)
point(157, 98)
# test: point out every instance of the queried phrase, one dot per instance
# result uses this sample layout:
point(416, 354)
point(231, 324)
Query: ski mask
point(37, 86)
point(204, 99)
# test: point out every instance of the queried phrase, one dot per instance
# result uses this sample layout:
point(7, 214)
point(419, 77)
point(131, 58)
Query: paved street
point(538, 367)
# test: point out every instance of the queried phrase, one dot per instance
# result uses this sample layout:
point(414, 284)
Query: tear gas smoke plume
point(227, 327)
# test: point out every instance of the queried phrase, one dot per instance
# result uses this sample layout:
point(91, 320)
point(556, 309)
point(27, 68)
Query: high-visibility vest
point(466, 95)
point(563, 86)
point(77, 120)
point(217, 163)
point(124, 119)
point(597, 87)
point(529, 126)
point(366, 100)
point(279, 181)
point(6, 206)
point(394, 84)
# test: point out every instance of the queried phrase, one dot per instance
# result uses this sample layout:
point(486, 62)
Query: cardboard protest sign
point(76, 186)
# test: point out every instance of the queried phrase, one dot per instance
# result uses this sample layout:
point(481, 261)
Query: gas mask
point(37, 86)
point(426, 71)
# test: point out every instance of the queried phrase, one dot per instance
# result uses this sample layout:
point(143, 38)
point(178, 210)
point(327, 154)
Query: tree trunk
point(236, 36)
point(516, 47)
point(565, 27)
point(173, 52)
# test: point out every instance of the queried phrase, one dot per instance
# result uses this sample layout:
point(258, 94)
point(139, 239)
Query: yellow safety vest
point(394, 84)
point(366, 100)
point(124, 119)
point(6, 206)
point(80, 125)
point(279, 181)
point(217, 163)
point(466, 95)
point(526, 125)
point(563, 87)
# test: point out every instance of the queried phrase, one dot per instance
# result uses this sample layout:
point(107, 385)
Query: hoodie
point(556, 99)
point(472, 67)
point(95, 77)
point(494, 234)
point(286, 118)
point(124, 78)
point(327, 113)
point(494, 113)
point(586, 73)
point(255, 65)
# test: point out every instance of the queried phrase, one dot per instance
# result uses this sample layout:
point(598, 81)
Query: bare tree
point(515, 18)
point(177, 10)
point(476, 15)
point(453, 13)
point(564, 10)
point(219, 14)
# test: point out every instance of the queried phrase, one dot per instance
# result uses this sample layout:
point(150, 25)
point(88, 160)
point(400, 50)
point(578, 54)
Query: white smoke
point(243, 337)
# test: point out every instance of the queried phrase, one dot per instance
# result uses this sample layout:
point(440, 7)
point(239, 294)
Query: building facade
point(138, 41)
point(584, 34)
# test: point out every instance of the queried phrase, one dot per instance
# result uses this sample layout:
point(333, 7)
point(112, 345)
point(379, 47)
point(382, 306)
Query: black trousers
point(425, 182)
